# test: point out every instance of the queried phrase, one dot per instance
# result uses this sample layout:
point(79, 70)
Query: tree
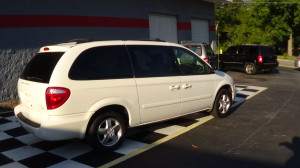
point(271, 22)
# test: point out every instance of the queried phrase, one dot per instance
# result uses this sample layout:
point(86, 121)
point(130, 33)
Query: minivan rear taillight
point(260, 59)
point(56, 96)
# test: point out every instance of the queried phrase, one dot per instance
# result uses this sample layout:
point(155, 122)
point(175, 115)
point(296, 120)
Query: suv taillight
point(260, 59)
point(56, 96)
point(205, 59)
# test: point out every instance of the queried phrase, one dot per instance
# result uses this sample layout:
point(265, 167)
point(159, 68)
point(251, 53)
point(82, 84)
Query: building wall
point(25, 26)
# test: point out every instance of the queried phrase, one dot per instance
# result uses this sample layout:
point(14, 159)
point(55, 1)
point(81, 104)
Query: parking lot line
point(259, 90)
point(150, 146)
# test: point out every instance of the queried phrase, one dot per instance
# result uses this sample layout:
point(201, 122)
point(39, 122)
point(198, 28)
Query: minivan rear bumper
point(54, 127)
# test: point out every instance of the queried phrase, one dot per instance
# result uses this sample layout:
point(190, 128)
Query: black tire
point(107, 131)
point(222, 104)
point(250, 68)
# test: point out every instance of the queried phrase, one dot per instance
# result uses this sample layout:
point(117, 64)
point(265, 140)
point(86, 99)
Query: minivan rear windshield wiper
point(32, 78)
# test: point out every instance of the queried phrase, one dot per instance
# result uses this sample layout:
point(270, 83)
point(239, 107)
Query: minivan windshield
point(40, 67)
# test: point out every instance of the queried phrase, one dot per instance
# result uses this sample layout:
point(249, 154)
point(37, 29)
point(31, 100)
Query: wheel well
point(227, 87)
point(116, 108)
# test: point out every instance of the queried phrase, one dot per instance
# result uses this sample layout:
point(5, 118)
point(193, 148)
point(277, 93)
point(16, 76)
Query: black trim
point(27, 121)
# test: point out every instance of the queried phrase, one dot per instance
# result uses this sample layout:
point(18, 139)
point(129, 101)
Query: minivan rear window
point(40, 67)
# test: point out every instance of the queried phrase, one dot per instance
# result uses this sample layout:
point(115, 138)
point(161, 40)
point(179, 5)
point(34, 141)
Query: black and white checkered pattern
point(20, 149)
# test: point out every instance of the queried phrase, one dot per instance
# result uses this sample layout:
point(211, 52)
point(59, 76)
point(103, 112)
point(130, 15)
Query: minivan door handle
point(186, 86)
point(174, 87)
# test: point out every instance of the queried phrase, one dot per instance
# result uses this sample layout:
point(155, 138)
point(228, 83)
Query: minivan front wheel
point(250, 68)
point(107, 131)
point(222, 104)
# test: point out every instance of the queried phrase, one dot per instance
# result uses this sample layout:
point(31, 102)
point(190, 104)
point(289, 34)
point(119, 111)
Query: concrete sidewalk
point(286, 63)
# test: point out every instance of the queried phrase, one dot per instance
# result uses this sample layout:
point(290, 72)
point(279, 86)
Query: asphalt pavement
point(262, 132)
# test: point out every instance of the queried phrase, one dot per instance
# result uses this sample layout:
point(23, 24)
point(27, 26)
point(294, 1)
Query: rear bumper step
point(27, 121)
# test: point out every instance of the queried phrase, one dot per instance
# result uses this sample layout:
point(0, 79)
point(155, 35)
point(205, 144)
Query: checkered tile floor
point(20, 149)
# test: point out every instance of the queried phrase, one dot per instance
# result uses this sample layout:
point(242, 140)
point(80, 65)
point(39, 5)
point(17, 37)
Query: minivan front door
point(197, 83)
point(157, 80)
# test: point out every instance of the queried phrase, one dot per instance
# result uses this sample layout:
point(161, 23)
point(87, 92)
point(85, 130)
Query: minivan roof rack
point(156, 39)
point(78, 41)
point(187, 42)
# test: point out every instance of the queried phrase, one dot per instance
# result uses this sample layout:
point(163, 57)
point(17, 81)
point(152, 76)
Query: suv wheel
point(222, 104)
point(107, 131)
point(250, 68)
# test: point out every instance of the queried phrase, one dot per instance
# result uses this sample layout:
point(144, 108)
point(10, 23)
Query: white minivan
point(99, 89)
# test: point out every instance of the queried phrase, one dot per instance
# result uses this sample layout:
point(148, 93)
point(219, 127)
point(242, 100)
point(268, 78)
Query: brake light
point(260, 59)
point(298, 59)
point(56, 97)
point(46, 49)
point(205, 59)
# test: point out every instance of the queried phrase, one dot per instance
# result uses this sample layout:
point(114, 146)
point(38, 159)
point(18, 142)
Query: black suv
point(251, 58)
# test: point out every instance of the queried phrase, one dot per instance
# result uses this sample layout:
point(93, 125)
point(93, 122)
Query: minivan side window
point(152, 61)
point(105, 62)
point(189, 63)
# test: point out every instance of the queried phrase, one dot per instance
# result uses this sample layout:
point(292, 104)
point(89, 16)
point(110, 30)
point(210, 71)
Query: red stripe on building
point(26, 21)
point(212, 28)
point(184, 26)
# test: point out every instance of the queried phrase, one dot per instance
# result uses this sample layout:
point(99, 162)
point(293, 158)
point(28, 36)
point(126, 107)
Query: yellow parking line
point(130, 155)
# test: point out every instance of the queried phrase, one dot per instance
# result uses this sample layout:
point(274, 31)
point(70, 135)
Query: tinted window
point(231, 50)
point(252, 50)
point(101, 63)
point(241, 50)
point(209, 51)
point(267, 50)
point(196, 49)
point(152, 61)
point(189, 63)
point(41, 66)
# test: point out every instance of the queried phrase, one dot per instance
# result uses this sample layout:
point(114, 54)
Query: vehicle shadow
point(294, 146)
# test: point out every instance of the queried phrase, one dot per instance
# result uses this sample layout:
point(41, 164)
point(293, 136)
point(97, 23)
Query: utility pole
point(290, 45)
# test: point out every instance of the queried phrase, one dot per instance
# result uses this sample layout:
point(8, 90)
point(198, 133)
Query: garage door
point(200, 31)
point(163, 27)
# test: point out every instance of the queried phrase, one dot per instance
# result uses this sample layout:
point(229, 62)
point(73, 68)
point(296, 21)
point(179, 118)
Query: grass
point(286, 57)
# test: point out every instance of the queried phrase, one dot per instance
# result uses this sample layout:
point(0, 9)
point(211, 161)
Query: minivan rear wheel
point(250, 68)
point(222, 104)
point(107, 131)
